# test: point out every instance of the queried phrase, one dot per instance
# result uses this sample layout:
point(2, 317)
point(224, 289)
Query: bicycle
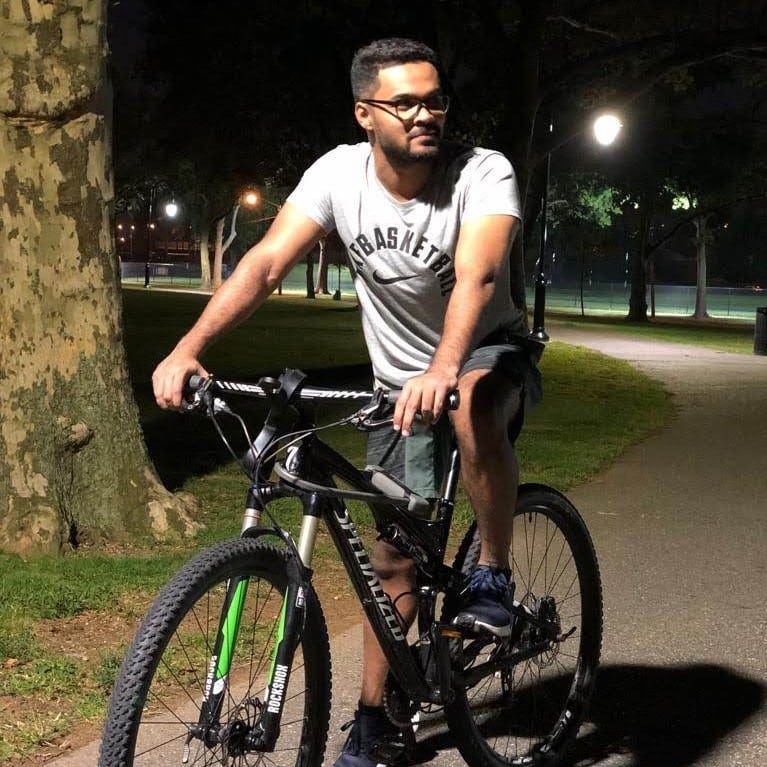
point(231, 664)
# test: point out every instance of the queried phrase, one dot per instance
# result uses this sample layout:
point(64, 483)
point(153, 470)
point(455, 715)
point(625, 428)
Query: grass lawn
point(722, 335)
point(66, 621)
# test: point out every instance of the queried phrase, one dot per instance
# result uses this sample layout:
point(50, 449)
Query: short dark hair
point(388, 52)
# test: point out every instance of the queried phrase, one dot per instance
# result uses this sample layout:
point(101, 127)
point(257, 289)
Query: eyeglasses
point(408, 107)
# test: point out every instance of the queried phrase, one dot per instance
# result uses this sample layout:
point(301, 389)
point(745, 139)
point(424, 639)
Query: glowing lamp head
point(606, 129)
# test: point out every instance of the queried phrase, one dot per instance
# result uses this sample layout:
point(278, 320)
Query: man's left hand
point(425, 394)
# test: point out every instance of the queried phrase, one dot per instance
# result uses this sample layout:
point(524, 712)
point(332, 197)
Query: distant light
point(171, 209)
point(606, 129)
point(250, 199)
point(120, 227)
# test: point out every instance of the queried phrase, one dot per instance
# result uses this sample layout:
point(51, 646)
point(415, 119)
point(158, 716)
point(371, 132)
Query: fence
point(670, 300)
point(180, 273)
point(188, 275)
point(598, 298)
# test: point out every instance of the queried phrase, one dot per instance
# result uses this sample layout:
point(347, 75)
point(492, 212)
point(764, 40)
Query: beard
point(408, 155)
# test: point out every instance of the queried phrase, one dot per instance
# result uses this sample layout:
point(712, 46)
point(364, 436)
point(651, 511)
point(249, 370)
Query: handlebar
point(268, 387)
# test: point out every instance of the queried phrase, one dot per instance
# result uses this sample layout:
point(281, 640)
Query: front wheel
point(529, 711)
point(155, 707)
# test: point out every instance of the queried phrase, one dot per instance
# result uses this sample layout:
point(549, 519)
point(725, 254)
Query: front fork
point(289, 628)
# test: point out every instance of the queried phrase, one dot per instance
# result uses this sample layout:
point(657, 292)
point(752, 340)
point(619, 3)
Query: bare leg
point(396, 575)
point(489, 468)
point(490, 476)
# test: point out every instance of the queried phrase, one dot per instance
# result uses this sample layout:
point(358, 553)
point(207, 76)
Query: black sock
point(371, 710)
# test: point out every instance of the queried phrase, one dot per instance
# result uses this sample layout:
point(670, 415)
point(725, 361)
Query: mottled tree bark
point(73, 466)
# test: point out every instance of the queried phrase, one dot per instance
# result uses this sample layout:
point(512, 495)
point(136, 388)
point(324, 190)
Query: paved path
point(680, 526)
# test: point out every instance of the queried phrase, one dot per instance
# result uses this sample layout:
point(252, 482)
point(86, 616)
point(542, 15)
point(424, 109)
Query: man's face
point(418, 138)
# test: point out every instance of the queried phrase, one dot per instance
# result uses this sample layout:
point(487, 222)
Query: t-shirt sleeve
point(491, 188)
point(312, 196)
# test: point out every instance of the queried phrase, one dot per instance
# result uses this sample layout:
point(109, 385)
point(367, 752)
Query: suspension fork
point(289, 629)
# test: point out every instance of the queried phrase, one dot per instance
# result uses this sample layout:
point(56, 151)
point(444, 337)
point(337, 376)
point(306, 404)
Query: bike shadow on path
point(656, 716)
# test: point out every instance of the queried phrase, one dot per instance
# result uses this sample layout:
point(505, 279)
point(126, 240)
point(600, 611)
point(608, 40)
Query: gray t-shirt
point(401, 253)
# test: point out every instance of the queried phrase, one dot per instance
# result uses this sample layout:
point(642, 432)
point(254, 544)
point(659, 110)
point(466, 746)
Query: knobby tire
point(162, 679)
point(531, 713)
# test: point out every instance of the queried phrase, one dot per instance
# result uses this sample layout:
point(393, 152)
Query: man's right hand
point(170, 376)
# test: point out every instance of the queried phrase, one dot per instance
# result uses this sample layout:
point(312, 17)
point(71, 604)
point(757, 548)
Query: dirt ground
point(88, 636)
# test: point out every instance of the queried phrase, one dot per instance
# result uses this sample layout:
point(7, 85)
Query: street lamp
point(171, 211)
point(253, 199)
point(606, 128)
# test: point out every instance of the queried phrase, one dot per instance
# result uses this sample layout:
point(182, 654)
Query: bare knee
point(489, 401)
point(390, 564)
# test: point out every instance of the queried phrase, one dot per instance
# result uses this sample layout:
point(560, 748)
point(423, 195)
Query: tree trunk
point(701, 241)
point(221, 247)
point(322, 270)
point(73, 466)
point(205, 277)
point(310, 275)
point(638, 298)
point(218, 253)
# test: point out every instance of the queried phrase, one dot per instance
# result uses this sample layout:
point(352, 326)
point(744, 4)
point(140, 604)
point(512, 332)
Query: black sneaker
point(488, 598)
point(373, 741)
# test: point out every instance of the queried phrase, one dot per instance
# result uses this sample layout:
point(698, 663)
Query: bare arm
point(483, 244)
point(261, 269)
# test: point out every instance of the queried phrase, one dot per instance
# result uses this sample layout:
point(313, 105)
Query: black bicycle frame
point(424, 540)
point(313, 468)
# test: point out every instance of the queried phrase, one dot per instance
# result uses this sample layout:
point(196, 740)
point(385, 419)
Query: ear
point(362, 115)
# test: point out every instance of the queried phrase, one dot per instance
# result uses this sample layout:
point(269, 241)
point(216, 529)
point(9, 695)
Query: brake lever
point(362, 418)
point(202, 399)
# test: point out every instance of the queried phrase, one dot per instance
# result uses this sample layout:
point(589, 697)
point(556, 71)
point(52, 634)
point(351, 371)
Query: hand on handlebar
point(171, 375)
point(426, 394)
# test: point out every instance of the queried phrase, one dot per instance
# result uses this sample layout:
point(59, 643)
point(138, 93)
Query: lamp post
point(606, 128)
point(538, 332)
point(171, 211)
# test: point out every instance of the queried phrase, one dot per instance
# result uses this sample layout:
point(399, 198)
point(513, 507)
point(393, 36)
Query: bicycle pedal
point(391, 752)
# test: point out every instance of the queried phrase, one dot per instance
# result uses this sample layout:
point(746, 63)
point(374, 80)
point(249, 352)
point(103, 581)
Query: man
point(428, 228)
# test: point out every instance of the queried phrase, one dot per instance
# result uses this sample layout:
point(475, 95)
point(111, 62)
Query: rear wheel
point(155, 705)
point(530, 711)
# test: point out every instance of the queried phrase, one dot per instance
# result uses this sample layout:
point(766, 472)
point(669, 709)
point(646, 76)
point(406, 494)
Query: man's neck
point(402, 180)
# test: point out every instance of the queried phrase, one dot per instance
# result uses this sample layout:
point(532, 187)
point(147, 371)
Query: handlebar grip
point(194, 383)
point(453, 399)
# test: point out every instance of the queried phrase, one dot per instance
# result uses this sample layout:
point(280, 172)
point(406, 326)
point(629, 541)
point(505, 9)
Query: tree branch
point(687, 50)
point(702, 212)
point(584, 26)
point(233, 229)
point(694, 50)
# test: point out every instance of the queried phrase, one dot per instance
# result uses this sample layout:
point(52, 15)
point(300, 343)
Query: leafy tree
point(582, 210)
point(510, 65)
point(73, 467)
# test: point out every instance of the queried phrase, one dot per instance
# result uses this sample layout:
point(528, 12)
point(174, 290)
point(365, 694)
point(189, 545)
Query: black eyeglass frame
point(395, 103)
